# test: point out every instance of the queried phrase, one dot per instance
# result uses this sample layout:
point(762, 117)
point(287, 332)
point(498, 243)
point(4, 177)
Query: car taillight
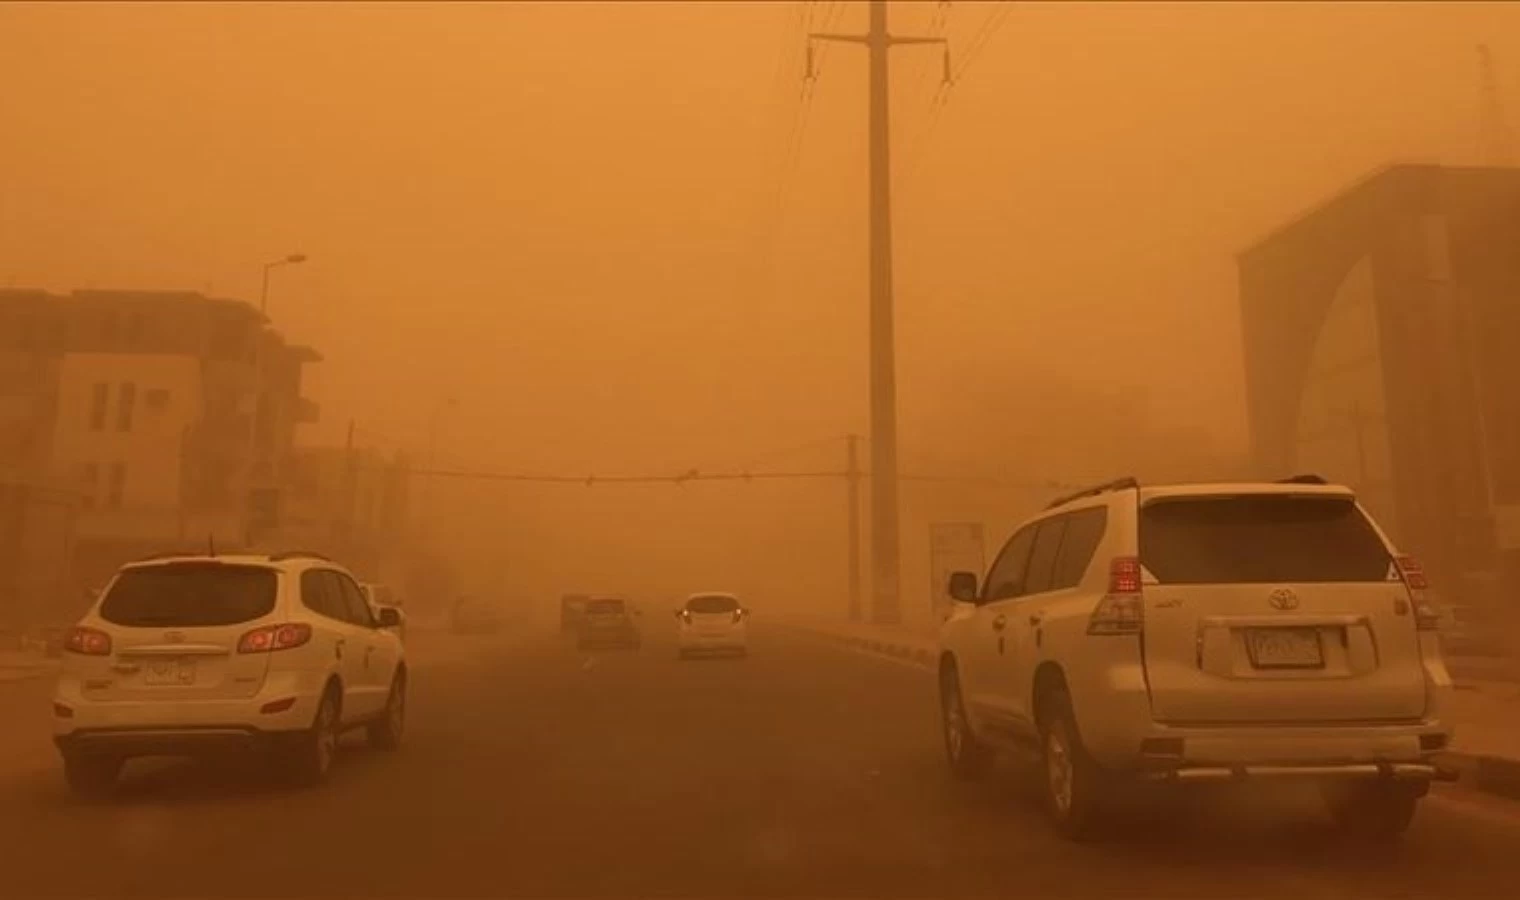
point(88, 641)
point(274, 637)
point(1426, 616)
point(1122, 609)
point(738, 616)
point(1412, 572)
point(686, 616)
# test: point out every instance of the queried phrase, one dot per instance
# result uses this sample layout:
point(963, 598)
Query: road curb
point(1486, 774)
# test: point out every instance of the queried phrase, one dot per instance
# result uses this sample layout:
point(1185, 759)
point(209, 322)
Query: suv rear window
point(604, 607)
point(189, 595)
point(1271, 539)
point(712, 604)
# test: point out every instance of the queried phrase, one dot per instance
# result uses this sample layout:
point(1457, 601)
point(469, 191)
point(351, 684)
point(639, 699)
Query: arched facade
point(1375, 352)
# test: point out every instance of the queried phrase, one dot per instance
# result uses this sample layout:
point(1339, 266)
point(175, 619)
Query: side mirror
point(388, 617)
point(963, 586)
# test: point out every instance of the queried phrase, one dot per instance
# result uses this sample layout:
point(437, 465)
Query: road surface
point(806, 770)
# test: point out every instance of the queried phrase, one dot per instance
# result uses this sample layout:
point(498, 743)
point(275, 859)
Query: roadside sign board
point(953, 547)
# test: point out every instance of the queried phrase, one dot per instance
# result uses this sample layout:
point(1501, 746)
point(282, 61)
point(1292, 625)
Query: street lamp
point(290, 260)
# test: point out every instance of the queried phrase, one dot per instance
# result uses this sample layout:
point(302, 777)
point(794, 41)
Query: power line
point(990, 27)
point(791, 151)
point(979, 40)
point(696, 476)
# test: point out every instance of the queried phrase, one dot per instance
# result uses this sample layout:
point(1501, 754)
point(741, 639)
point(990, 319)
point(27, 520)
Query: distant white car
point(196, 655)
point(713, 623)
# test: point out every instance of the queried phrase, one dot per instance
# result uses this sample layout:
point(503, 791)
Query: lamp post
point(254, 480)
point(290, 260)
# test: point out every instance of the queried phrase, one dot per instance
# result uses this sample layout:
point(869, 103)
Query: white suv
point(190, 655)
point(1203, 632)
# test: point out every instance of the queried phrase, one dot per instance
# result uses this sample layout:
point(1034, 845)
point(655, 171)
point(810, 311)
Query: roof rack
point(297, 554)
point(1303, 479)
point(1118, 484)
point(168, 554)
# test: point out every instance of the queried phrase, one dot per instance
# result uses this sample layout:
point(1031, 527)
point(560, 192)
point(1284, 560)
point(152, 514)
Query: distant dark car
point(608, 622)
point(570, 608)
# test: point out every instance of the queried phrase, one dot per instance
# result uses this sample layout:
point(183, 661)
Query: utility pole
point(351, 485)
point(885, 606)
point(852, 480)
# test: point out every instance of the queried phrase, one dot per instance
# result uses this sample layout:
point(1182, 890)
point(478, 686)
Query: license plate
point(1285, 648)
point(169, 672)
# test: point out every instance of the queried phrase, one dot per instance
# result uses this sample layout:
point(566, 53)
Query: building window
point(125, 406)
point(89, 484)
point(98, 402)
point(117, 486)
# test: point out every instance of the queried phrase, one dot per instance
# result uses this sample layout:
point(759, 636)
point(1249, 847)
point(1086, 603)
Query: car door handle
point(999, 623)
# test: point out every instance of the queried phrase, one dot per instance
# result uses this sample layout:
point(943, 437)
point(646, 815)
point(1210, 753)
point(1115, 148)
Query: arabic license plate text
point(170, 672)
point(1285, 648)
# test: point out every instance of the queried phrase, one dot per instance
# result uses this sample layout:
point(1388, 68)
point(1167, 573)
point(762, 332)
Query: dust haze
point(587, 292)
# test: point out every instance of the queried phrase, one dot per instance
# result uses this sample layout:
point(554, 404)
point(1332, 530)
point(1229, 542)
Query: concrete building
point(160, 410)
point(1377, 334)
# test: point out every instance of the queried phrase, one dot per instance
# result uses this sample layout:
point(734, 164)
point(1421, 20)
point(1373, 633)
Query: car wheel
point(312, 757)
point(1073, 784)
point(969, 758)
point(385, 734)
point(1372, 810)
point(91, 777)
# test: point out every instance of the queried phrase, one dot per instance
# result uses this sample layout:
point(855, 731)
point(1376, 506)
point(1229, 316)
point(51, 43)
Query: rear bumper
point(294, 694)
point(197, 741)
point(1387, 771)
point(724, 640)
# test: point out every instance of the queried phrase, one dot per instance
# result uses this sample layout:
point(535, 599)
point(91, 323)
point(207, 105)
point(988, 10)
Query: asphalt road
point(804, 771)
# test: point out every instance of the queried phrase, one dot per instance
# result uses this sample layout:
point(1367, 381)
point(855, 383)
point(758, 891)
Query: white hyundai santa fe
point(713, 623)
point(1197, 633)
point(195, 655)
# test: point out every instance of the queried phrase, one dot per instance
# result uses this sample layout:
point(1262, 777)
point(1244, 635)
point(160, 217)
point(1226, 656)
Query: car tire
point(310, 760)
point(969, 758)
point(1074, 787)
point(1376, 811)
point(385, 733)
point(91, 777)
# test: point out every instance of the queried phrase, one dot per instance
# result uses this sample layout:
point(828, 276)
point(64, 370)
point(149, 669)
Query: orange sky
point(559, 213)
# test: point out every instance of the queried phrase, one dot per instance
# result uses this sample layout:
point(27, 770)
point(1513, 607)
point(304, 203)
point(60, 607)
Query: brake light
point(738, 616)
point(1124, 575)
point(274, 637)
point(1412, 572)
point(88, 641)
point(1122, 609)
point(686, 616)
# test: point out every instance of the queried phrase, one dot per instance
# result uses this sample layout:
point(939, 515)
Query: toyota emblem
point(1283, 599)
